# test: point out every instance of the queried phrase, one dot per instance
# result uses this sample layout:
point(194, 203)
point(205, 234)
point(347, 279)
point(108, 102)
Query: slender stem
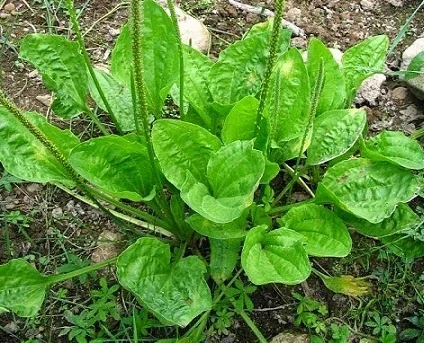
point(275, 36)
point(97, 122)
point(288, 186)
point(174, 19)
point(63, 277)
point(253, 327)
point(141, 110)
point(77, 30)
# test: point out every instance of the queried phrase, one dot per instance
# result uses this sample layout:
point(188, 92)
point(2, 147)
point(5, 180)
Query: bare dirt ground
point(53, 224)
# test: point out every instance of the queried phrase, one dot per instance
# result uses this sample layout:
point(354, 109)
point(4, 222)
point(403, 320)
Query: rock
point(11, 327)
point(396, 3)
point(413, 50)
point(410, 114)
point(370, 89)
point(337, 55)
point(368, 5)
point(57, 213)
point(33, 74)
point(417, 86)
point(4, 15)
point(299, 42)
point(193, 32)
point(107, 246)
point(294, 15)
point(14, 13)
point(399, 93)
point(114, 32)
point(287, 337)
point(34, 188)
point(9, 7)
point(46, 100)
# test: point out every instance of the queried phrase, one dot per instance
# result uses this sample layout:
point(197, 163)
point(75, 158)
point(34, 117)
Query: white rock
point(57, 213)
point(368, 5)
point(337, 55)
point(46, 100)
point(370, 89)
point(413, 50)
point(396, 3)
point(193, 32)
point(107, 246)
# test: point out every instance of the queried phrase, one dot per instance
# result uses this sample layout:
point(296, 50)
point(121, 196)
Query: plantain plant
point(252, 126)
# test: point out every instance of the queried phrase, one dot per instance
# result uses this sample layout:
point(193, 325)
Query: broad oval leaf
point(403, 218)
point(394, 147)
point(183, 150)
point(62, 67)
point(362, 61)
point(368, 189)
point(234, 229)
point(176, 293)
point(160, 55)
point(334, 133)
point(325, 233)
point(240, 123)
point(288, 101)
point(275, 257)
point(22, 288)
point(120, 167)
point(24, 156)
point(117, 95)
point(240, 68)
point(291, 149)
point(333, 94)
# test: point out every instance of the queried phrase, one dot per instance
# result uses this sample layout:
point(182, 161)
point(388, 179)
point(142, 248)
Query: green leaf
point(160, 55)
point(288, 150)
point(368, 189)
point(288, 103)
point(224, 256)
point(117, 95)
point(25, 157)
point(276, 256)
point(234, 229)
point(394, 147)
point(22, 288)
point(403, 218)
point(335, 132)
point(236, 161)
point(116, 165)
point(183, 150)
point(416, 66)
point(61, 65)
point(240, 123)
point(240, 69)
point(325, 234)
point(362, 61)
point(333, 94)
point(404, 246)
point(144, 269)
point(196, 91)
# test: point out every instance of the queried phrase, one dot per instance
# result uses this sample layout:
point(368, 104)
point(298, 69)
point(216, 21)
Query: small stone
point(299, 42)
point(33, 74)
point(368, 5)
point(46, 100)
point(114, 32)
point(14, 13)
point(9, 7)
point(416, 85)
point(294, 15)
point(11, 327)
point(57, 213)
point(370, 89)
point(399, 93)
point(107, 246)
point(287, 337)
point(193, 32)
point(396, 3)
point(4, 15)
point(34, 188)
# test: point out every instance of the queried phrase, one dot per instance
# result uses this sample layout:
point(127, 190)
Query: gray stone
point(288, 337)
point(57, 213)
point(107, 246)
point(294, 15)
point(399, 93)
point(417, 86)
point(370, 89)
point(413, 50)
point(396, 3)
point(368, 5)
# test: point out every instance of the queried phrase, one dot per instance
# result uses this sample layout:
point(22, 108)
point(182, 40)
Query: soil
point(58, 224)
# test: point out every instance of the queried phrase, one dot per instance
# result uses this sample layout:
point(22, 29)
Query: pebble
point(57, 213)
point(294, 15)
point(11, 327)
point(33, 74)
point(107, 246)
point(370, 89)
point(368, 5)
point(34, 188)
point(46, 100)
point(9, 7)
point(396, 3)
point(288, 337)
point(413, 50)
point(399, 93)
point(4, 15)
point(114, 32)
